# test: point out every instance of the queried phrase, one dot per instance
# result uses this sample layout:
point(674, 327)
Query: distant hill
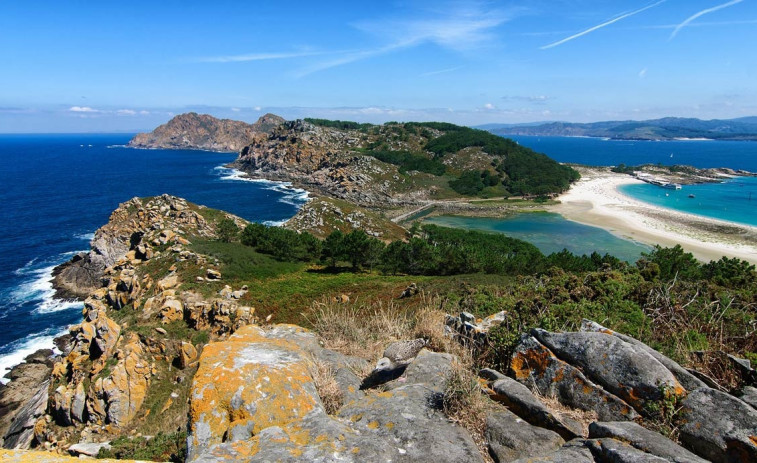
point(668, 128)
point(204, 132)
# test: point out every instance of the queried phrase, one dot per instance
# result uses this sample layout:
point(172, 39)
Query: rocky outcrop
point(24, 399)
point(31, 456)
point(204, 132)
point(254, 399)
point(510, 438)
point(133, 232)
point(644, 440)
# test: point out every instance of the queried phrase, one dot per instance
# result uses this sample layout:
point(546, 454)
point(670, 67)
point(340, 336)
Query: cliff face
point(204, 132)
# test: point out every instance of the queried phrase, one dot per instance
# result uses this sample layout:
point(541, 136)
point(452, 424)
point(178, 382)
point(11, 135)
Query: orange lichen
point(373, 425)
point(530, 362)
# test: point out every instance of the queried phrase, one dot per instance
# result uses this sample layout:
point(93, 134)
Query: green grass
point(240, 262)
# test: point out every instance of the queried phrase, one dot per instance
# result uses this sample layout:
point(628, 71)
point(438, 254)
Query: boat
point(692, 196)
point(672, 186)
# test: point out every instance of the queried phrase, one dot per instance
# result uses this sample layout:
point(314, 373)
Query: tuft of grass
point(324, 378)
point(163, 447)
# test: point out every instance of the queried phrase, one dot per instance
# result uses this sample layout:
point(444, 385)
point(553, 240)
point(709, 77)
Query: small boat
point(672, 186)
point(692, 196)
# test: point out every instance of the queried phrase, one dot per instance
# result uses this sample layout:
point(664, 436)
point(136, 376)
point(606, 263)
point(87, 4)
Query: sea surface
point(550, 233)
point(734, 200)
point(58, 189)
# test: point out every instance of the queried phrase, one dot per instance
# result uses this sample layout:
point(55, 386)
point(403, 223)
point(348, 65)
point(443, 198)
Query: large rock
point(575, 451)
point(624, 369)
point(644, 440)
point(749, 395)
point(615, 451)
point(119, 396)
point(510, 438)
point(719, 427)
point(687, 380)
point(538, 368)
point(519, 399)
point(26, 381)
point(34, 456)
point(20, 434)
point(246, 384)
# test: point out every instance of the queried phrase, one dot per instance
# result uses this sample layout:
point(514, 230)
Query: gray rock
point(687, 380)
point(644, 440)
point(624, 369)
point(510, 438)
point(574, 451)
point(615, 451)
point(537, 367)
point(431, 369)
point(410, 416)
point(749, 395)
point(349, 384)
point(519, 399)
point(490, 374)
point(20, 433)
point(719, 427)
point(89, 449)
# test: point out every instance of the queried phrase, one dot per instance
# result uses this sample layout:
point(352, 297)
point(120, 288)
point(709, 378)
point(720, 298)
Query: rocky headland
point(203, 132)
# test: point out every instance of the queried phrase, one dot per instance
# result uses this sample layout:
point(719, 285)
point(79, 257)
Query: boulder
point(644, 440)
point(622, 368)
point(244, 385)
point(574, 451)
point(615, 451)
point(538, 368)
point(88, 449)
point(687, 380)
point(510, 438)
point(187, 354)
point(519, 399)
point(431, 369)
point(749, 395)
point(171, 311)
point(20, 433)
point(212, 274)
point(169, 282)
point(719, 427)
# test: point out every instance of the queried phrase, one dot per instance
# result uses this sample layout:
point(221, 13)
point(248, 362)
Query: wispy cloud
point(258, 57)
point(536, 99)
point(83, 109)
point(459, 26)
point(702, 13)
point(440, 71)
point(643, 73)
point(604, 24)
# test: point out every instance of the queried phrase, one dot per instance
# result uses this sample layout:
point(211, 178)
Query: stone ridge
point(204, 132)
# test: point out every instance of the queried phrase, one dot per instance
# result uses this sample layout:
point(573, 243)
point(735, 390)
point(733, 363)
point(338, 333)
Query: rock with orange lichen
point(538, 368)
point(687, 380)
point(719, 427)
point(622, 368)
point(119, 395)
point(34, 456)
point(245, 384)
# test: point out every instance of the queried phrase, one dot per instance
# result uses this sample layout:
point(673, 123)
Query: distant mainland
point(667, 128)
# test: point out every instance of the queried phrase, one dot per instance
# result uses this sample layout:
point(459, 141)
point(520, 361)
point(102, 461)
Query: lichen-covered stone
point(615, 451)
point(538, 368)
point(644, 440)
point(245, 384)
point(510, 438)
point(624, 369)
point(719, 427)
point(575, 451)
point(35, 456)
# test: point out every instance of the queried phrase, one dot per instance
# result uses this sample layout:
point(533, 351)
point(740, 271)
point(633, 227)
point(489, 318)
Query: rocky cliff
point(204, 132)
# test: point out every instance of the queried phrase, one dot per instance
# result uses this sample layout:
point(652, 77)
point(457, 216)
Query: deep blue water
point(601, 152)
point(58, 189)
point(550, 233)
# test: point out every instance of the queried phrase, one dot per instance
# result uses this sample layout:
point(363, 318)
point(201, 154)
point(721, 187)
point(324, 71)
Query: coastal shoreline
point(596, 200)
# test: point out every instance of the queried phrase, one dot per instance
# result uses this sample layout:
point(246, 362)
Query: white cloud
point(144, 113)
point(643, 73)
point(600, 26)
point(236, 110)
point(702, 13)
point(489, 106)
point(82, 109)
point(441, 71)
point(257, 108)
point(126, 112)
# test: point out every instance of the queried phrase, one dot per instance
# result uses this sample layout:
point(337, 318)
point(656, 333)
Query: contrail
point(702, 13)
point(600, 26)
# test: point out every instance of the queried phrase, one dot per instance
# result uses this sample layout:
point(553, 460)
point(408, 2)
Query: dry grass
point(364, 330)
point(325, 384)
point(562, 411)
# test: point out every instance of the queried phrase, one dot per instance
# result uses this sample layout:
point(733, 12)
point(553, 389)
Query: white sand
point(595, 200)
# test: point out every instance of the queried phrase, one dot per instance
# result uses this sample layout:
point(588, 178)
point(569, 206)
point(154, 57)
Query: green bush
point(163, 447)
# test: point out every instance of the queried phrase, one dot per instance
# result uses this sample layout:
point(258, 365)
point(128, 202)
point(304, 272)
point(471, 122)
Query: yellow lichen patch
point(373, 425)
point(295, 452)
point(385, 394)
point(530, 361)
point(356, 450)
point(356, 418)
point(389, 426)
point(250, 382)
point(754, 440)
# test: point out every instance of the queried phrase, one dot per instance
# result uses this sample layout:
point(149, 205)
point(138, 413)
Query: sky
point(87, 66)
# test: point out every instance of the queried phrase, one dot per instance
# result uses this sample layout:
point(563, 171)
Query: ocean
point(58, 189)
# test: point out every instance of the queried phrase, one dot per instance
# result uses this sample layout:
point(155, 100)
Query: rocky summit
point(204, 132)
point(171, 354)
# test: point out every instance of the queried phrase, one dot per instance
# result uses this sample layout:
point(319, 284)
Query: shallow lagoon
point(550, 232)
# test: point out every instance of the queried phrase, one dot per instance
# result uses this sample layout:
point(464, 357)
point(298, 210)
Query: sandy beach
point(595, 200)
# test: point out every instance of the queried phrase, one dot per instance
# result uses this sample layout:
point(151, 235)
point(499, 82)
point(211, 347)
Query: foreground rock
point(510, 438)
point(203, 132)
point(31, 456)
point(644, 440)
point(24, 399)
point(719, 427)
point(254, 399)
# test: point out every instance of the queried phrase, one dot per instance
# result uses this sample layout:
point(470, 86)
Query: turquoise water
point(734, 200)
point(550, 233)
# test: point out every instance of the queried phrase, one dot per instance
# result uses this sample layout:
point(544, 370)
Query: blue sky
point(79, 66)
